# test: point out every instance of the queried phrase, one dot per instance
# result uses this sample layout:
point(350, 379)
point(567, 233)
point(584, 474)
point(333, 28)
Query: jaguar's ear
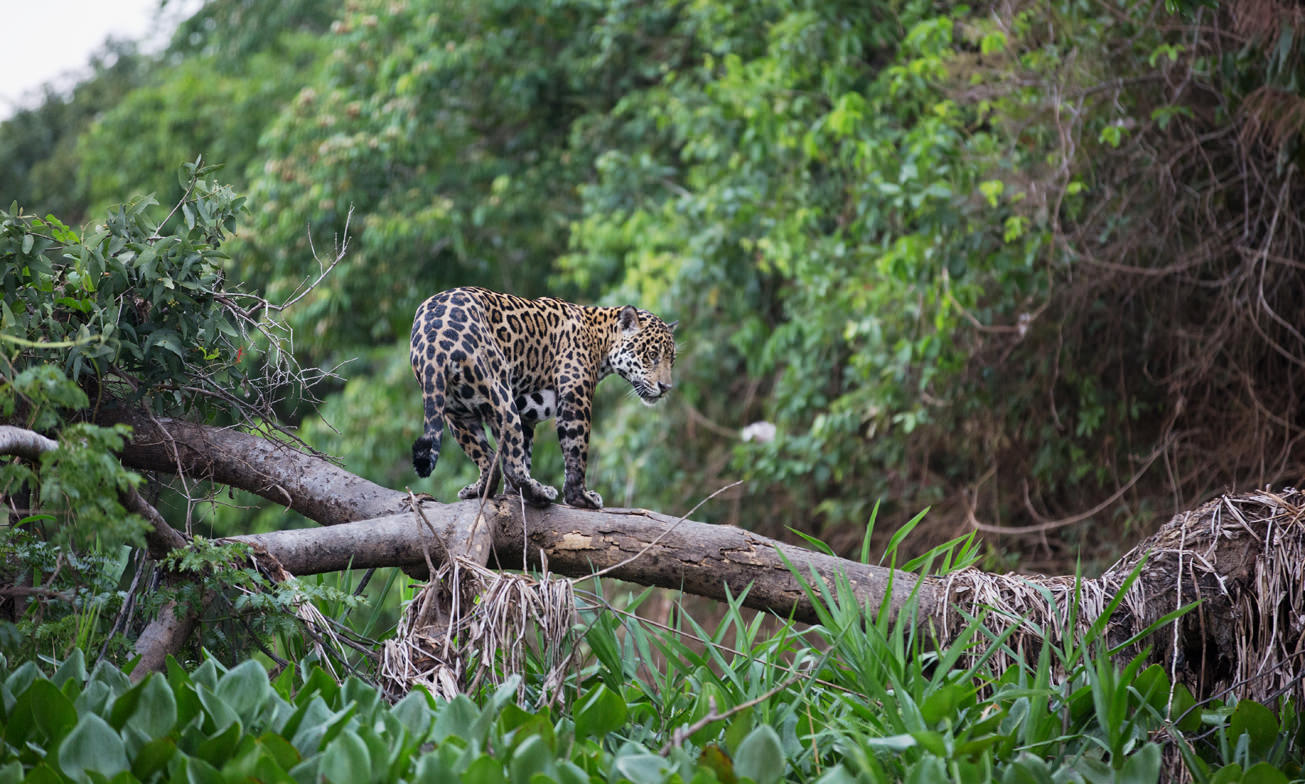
point(671, 326)
point(629, 319)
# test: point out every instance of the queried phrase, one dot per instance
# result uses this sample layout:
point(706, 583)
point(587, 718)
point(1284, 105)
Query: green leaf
point(893, 743)
point(52, 711)
point(1264, 773)
point(197, 771)
point(92, 747)
point(600, 712)
point(926, 771)
point(943, 703)
point(639, 766)
point(217, 749)
point(531, 757)
point(760, 756)
point(1258, 723)
point(416, 713)
point(245, 689)
point(346, 760)
point(1183, 710)
point(1228, 774)
point(156, 708)
point(455, 719)
point(1142, 766)
point(217, 709)
point(72, 668)
point(485, 770)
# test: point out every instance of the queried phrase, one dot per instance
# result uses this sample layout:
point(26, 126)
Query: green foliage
point(131, 302)
point(76, 596)
point(137, 311)
point(845, 700)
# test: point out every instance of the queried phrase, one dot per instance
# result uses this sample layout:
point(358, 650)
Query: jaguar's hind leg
point(470, 434)
point(515, 440)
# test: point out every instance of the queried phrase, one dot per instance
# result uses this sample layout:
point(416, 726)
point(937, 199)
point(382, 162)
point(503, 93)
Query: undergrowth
point(859, 697)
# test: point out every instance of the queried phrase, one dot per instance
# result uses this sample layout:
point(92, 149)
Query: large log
point(1242, 556)
point(636, 545)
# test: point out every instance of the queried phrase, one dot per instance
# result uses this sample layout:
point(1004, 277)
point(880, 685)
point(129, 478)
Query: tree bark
point(314, 487)
point(637, 545)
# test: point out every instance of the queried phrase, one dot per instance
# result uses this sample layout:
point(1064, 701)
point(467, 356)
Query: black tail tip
point(423, 459)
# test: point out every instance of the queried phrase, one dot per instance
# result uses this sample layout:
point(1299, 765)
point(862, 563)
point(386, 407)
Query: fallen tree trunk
point(636, 545)
point(1241, 557)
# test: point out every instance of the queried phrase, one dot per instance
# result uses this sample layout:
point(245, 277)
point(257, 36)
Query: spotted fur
point(484, 358)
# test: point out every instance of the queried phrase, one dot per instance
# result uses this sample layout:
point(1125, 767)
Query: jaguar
point(484, 358)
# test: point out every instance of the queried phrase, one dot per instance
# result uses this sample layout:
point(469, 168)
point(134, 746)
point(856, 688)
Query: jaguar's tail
point(426, 450)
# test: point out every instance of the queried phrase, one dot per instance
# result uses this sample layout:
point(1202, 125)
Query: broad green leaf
point(280, 750)
point(219, 712)
point(152, 757)
point(455, 718)
point(22, 677)
point(927, 770)
point(600, 712)
point(531, 757)
point(217, 749)
point(73, 668)
point(53, 712)
point(1142, 766)
point(1258, 723)
point(416, 713)
point(92, 747)
point(760, 756)
point(485, 770)
point(943, 703)
point(245, 689)
point(1264, 773)
point(156, 708)
point(197, 771)
point(346, 760)
point(640, 767)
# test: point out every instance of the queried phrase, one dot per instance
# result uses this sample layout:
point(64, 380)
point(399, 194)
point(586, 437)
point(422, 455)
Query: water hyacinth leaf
point(1142, 766)
point(155, 709)
point(760, 756)
point(346, 760)
point(1264, 773)
point(92, 747)
point(245, 689)
point(600, 712)
point(485, 770)
point(532, 757)
point(455, 718)
point(53, 713)
point(639, 766)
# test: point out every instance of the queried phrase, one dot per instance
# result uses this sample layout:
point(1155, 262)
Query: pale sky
point(52, 40)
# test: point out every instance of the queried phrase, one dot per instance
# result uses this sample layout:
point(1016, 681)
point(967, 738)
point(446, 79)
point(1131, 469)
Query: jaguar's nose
point(663, 387)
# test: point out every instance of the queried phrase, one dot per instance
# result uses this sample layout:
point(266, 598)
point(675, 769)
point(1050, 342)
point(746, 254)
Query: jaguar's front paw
point(580, 497)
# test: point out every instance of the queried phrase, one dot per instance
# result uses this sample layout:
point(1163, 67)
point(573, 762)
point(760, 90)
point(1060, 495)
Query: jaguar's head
point(644, 353)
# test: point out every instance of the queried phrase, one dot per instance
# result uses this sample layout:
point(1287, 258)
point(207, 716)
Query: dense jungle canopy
point(1033, 265)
